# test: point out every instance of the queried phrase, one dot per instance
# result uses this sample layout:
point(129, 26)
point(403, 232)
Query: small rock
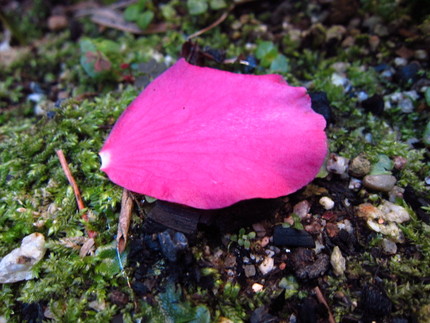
point(408, 73)
point(259, 229)
point(264, 241)
point(17, 265)
point(337, 164)
point(354, 184)
point(361, 96)
point(380, 219)
point(340, 80)
point(421, 54)
point(406, 105)
point(359, 166)
point(393, 212)
point(375, 104)
point(256, 287)
point(249, 270)
point(302, 209)
point(381, 182)
point(289, 237)
point(326, 202)
point(337, 261)
point(57, 22)
point(172, 244)
point(399, 162)
point(400, 61)
point(389, 246)
point(267, 265)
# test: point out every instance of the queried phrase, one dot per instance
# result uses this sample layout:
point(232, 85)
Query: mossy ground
point(35, 195)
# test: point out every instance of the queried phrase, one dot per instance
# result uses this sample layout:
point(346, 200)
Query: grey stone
point(381, 182)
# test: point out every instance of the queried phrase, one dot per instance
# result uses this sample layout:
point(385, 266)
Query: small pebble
point(264, 241)
point(259, 229)
point(266, 266)
point(172, 244)
point(337, 164)
point(393, 212)
point(406, 105)
point(249, 270)
point(326, 202)
point(302, 209)
point(400, 61)
point(361, 96)
point(389, 246)
point(359, 166)
point(256, 287)
point(381, 182)
point(399, 162)
point(338, 262)
point(354, 184)
point(340, 80)
point(408, 73)
point(17, 265)
point(421, 54)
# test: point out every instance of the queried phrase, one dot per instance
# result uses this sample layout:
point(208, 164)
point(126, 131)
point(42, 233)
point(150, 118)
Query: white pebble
point(389, 246)
point(326, 202)
point(256, 287)
point(337, 164)
point(266, 266)
point(337, 261)
point(17, 265)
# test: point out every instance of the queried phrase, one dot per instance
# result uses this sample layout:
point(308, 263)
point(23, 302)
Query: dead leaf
point(124, 220)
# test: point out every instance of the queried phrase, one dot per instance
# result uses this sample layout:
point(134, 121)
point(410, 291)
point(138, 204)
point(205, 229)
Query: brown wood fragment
point(72, 183)
point(322, 300)
point(87, 248)
point(124, 220)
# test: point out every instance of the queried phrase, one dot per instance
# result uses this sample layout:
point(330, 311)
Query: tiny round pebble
point(326, 202)
point(266, 266)
point(256, 287)
point(359, 166)
point(337, 164)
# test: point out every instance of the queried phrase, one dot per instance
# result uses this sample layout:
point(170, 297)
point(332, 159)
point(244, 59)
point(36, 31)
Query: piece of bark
point(124, 220)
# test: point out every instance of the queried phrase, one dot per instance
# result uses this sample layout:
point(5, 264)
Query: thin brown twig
point(213, 25)
point(322, 300)
point(72, 183)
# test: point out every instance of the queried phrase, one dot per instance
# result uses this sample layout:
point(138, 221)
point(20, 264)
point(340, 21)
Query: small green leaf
point(132, 12)
point(427, 96)
point(383, 166)
point(264, 49)
point(217, 4)
point(197, 7)
point(145, 19)
point(279, 64)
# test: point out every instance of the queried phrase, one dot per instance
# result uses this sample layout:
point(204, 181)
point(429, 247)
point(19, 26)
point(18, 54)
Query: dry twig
point(124, 220)
point(322, 300)
point(72, 183)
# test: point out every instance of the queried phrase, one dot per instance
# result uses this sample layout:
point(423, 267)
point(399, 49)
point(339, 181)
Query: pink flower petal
point(208, 138)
